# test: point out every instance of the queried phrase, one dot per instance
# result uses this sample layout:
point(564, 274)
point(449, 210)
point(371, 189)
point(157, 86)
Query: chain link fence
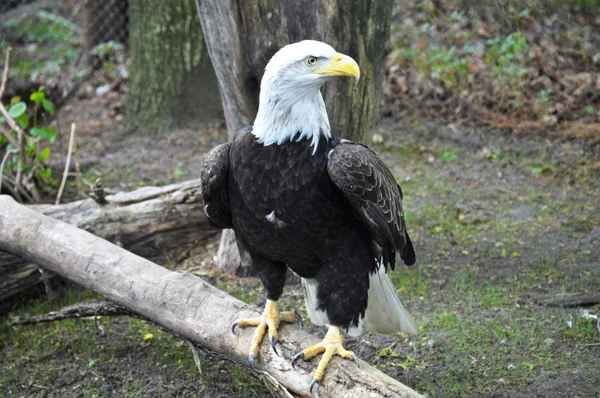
point(64, 42)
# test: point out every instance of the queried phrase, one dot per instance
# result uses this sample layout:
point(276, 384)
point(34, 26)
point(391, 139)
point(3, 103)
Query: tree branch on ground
point(79, 310)
point(148, 221)
point(568, 299)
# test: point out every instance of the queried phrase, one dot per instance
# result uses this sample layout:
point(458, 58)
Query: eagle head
point(291, 104)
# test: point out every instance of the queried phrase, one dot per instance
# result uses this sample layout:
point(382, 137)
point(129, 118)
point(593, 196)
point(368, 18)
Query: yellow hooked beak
point(343, 65)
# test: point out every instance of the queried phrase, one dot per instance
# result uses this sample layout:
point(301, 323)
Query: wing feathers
point(372, 190)
point(214, 186)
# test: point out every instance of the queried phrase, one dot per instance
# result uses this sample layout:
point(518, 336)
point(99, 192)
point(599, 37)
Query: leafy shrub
point(37, 137)
point(58, 38)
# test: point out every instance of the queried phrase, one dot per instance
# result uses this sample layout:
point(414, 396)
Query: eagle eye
point(311, 61)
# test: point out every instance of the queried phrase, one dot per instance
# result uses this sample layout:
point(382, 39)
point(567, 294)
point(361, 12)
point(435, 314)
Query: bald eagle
point(299, 198)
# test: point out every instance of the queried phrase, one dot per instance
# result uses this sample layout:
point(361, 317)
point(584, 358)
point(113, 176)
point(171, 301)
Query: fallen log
point(180, 302)
point(148, 221)
point(568, 299)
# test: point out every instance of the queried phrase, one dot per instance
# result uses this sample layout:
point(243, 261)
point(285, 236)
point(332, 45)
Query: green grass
point(73, 349)
point(509, 348)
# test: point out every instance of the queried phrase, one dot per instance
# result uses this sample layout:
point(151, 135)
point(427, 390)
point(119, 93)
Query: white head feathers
point(290, 98)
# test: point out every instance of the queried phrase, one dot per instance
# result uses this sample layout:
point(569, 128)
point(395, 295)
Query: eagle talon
point(330, 346)
point(314, 382)
point(296, 358)
point(269, 321)
point(299, 319)
point(273, 343)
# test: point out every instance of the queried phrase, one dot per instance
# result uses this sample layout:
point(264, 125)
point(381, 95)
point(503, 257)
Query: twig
point(196, 356)
point(31, 188)
point(46, 275)
point(5, 73)
point(78, 177)
point(8, 137)
point(79, 310)
point(591, 345)
point(66, 172)
point(568, 299)
point(11, 152)
point(11, 122)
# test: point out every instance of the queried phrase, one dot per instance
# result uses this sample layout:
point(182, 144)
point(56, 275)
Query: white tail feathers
point(385, 312)
point(316, 316)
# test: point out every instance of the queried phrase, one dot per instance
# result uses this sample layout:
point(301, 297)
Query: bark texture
point(242, 35)
point(172, 83)
point(148, 221)
point(180, 302)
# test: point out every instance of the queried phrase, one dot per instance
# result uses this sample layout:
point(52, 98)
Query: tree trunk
point(180, 302)
point(172, 83)
point(242, 35)
point(148, 221)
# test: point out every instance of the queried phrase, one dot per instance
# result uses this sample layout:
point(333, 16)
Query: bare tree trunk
point(242, 35)
point(180, 302)
point(148, 221)
point(172, 82)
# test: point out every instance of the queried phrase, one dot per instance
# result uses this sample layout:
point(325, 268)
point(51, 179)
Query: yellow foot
point(330, 346)
point(270, 320)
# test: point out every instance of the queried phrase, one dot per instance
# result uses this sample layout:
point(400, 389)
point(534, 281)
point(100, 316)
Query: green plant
point(542, 102)
point(30, 159)
point(580, 37)
point(107, 52)
point(57, 38)
point(444, 64)
point(505, 53)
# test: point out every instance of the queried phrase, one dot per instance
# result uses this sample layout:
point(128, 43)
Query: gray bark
point(242, 35)
point(148, 221)
point(180, 302)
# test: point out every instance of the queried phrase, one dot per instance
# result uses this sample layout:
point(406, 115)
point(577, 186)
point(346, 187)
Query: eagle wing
point(214, 186)
point(376, 198)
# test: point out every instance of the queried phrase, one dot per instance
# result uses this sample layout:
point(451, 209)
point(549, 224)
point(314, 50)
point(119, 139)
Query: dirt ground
point(497, 220)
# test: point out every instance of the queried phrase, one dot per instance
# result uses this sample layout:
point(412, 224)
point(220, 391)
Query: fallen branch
point(179, 302)
point(568, 299)
point(149, 221)
point(79, 310)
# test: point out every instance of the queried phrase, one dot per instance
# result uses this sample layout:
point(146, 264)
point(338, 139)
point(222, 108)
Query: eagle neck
point(284, 115)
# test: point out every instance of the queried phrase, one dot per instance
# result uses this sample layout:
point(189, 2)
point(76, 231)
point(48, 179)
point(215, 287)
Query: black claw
point(296, 358)
point(233, 327)
point(355, 357)
point(299, 319)
point(251, 360)
point(273, 343)
point(314, 383)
